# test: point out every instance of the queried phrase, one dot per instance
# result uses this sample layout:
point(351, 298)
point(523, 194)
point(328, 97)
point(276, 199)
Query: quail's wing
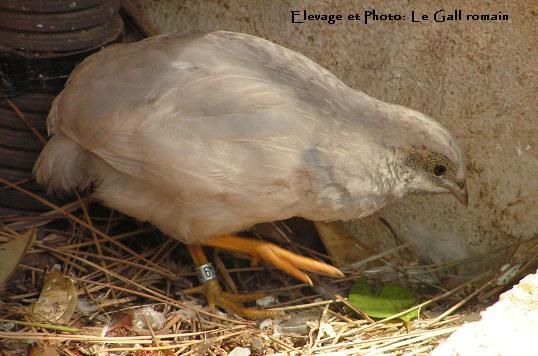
point(179, 118)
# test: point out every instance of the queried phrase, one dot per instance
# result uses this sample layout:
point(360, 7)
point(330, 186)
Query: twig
point(62, 328)
point(77, 220)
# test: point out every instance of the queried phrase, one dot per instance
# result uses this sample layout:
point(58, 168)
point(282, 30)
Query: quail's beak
point(461, 193)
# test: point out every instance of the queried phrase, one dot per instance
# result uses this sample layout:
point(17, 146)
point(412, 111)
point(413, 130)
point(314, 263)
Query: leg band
point(206, 272)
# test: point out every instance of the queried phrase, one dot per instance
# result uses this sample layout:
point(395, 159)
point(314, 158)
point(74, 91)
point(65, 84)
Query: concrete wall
point(477, 78)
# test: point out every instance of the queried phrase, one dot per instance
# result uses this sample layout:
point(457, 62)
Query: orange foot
point(282, 259)
point(217, 297)
point(231, 301)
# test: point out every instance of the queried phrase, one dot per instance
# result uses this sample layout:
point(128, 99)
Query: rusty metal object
point(15, 157)
point(22, 71)
point(139, 20)
point(19, 139)
point(34, 102)
point(41, 42)
point(63, 41)
point(18, 144)
point(12, 201)
point(9, 119)
point(19, 147)
point(59, 21)
point(49, 5)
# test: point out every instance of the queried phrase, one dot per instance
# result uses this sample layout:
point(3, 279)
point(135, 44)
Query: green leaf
point(391, 299)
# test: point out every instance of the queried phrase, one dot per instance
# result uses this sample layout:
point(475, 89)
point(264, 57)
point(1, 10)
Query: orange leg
point(288, 262)
point(217, 297)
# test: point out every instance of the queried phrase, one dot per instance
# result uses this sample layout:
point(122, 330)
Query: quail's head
point(429, 158)
point(433, 172)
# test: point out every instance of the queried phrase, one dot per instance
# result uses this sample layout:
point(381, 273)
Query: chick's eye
point(439, 170)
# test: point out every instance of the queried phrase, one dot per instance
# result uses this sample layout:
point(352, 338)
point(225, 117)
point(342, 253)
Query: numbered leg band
point(206, 273)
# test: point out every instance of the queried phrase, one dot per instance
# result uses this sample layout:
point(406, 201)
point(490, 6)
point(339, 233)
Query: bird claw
point(231, 302)
point(294, 264)
point(287, 261)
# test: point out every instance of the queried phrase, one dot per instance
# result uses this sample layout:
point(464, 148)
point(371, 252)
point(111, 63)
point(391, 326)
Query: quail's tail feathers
point(61, 166)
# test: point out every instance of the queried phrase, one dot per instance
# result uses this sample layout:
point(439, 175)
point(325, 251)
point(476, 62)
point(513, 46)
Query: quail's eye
point(439, 170)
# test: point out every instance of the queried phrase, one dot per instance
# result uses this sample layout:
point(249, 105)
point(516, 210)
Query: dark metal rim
point(61, 21)
point(63, 41)
point(49, 5)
